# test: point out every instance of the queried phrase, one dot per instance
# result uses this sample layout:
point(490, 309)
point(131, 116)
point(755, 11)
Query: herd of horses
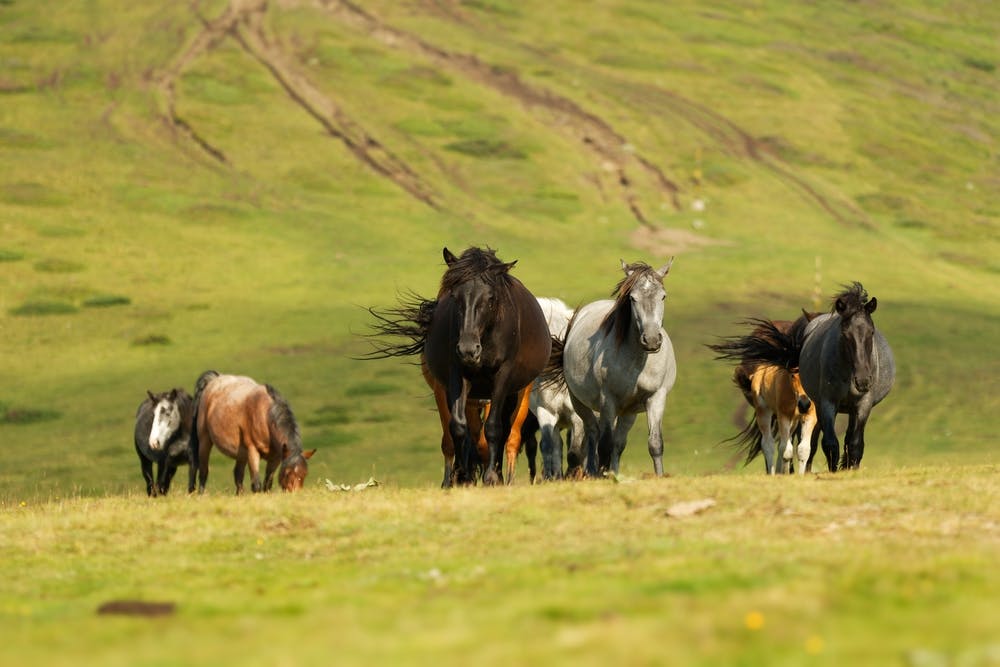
point(505, 367)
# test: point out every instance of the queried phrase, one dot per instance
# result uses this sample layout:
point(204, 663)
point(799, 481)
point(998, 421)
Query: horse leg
point(166, 474)
point(147, 474)
point(583, 460)
point(513, 445)
point(529, 436)
point(854, 441)
point(574, 444)
point(619, 438)
point(458, 428)
point(766, 429)
point(826, 413)
point(447, 444)
point(239, 468)
point(475, 413)
point(804, 450)
point(253, 459)
point(204, 449)
point(655, 407)
point(547, 426)
point(606, 437)
point(784, 443)
point(272, 466)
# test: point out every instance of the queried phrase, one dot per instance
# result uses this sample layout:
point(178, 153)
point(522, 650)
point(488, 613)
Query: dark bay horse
point(249, 422)
point(846, 366)
point(484, 338)
point(163, 424)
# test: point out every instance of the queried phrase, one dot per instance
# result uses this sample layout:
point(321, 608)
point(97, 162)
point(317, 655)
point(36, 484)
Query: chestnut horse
point(249, 422)
point(484, 338)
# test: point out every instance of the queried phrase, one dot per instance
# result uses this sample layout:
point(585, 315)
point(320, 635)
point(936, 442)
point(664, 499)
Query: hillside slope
point(223, 184)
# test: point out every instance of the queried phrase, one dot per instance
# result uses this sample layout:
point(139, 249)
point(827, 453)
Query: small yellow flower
point(754, 620)
point(814, 645)
point(24, 504)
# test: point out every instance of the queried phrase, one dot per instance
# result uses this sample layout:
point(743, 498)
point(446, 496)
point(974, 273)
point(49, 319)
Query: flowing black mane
point(769, 342)
point(618, 320)
point(476, 263)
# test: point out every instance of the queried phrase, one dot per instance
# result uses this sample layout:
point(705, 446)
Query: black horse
point(162, 430)
point(846, 366)
point(483, 338)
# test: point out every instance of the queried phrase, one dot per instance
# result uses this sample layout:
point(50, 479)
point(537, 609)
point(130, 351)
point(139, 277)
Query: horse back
point(233, 412)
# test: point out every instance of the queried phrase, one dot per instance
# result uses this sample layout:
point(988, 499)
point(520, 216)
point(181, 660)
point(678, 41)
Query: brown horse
point(774, 390)
point(484, 338)
point(249, 422)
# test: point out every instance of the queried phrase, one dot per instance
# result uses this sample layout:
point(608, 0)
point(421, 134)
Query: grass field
point(228, 185)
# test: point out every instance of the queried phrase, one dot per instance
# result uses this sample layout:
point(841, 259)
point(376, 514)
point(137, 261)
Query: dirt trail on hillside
point(610, 148)
point(242, 20)
point(722, 131)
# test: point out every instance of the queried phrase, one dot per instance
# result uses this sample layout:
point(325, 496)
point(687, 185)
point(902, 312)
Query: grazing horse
point(618, 361)
point(774, 391)
point(247, 421)
point(847, 367)
point(162, 428)
point(483, 338)
point(553, 408)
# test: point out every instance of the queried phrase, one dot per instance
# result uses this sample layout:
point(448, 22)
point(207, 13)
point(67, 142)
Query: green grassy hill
point(224, 185)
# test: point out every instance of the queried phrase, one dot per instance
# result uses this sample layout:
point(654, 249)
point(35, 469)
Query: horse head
point(646, 295)
point(857, 334)
point(474, 282)
point(294, 468)
point(166, 418)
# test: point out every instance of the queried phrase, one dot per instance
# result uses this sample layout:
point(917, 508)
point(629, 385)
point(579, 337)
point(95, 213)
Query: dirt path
point(562, 114)
point(243, 21)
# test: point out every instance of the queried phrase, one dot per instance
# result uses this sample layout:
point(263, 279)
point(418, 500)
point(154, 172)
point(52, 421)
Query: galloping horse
point(163, 424)
point(847, 367)
point(618, 361)
point(247, 421)
point(483, 338)
point(774, 391)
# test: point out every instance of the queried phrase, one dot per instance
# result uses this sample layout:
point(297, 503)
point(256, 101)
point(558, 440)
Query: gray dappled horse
point(846, 366)
point(618, 361)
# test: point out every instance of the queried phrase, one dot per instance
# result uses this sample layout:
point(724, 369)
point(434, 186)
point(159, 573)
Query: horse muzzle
point(470, 354)
point(804, 404)
point(651, 343)
point(862, 385)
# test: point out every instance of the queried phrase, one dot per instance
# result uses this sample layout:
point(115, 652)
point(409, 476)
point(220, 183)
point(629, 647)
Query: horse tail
point(767, 343)
point(410, 321)
point(281, 418)
point(749, 441)
point(552, 375)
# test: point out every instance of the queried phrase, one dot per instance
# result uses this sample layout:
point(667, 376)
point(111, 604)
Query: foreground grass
point(872, 568)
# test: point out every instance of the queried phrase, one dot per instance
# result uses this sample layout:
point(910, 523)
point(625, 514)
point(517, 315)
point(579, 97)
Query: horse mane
point(410, 320)
point(618, 318)
point(853, 298)
point(282, 419)
point(769, 342)
point(476, 263)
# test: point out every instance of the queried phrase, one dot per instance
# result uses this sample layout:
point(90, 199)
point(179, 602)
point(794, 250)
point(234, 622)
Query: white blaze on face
point(166, 420)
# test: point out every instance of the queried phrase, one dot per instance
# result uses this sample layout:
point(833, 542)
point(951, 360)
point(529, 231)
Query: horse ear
point(871, 306)
point(625, 267)
point(449, 256)
point(309, 454)
point(665, 269)
point(508, 266)
point(151, 397)
point(840, 306)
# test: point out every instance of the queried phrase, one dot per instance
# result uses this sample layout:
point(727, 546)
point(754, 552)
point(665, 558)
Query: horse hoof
point(491, 478)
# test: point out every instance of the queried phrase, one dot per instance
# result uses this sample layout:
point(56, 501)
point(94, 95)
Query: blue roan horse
point(846, 366)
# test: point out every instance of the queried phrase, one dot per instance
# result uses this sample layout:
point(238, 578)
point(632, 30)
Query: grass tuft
point(58, 266)
point(10, 256)
point(151, 340)
point(42, 307)
point(106, 301)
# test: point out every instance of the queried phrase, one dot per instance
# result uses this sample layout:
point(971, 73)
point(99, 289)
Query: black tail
point(552, 375)
point(748, 441)
point(409, 321)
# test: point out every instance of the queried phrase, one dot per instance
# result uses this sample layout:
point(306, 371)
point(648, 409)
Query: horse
point(246, 421)
point(618, 361)
point(552, 407)
point(162, 430)
point(847, 367)
point(483, 338)
point(774, 391)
